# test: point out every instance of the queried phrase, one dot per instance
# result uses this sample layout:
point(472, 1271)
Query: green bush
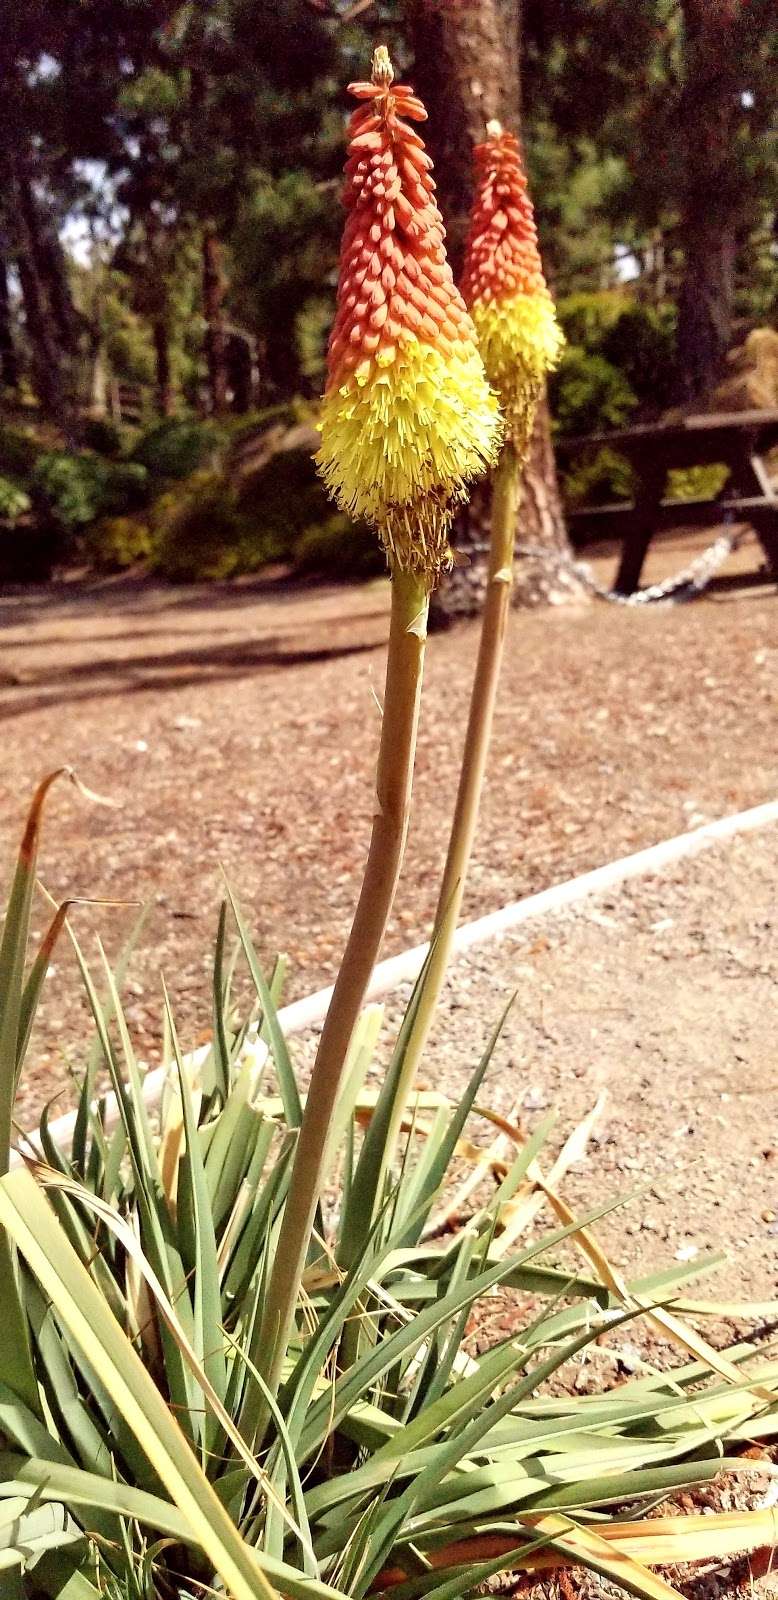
point(180, 446)
point(246, 423)
point(19, 451)
point(589, 394)
point(312, 328)
point(113, 543)
point(108, 438)
point(76, 488)
point(638, 343)
point(340, 549)
point(641, 343)
point(598, 478)
point(696, 483)
point(210, 526)
point(198, 531)
point(72, 486)
point(587, 316)
point(14, 502)
point(126, 486)
point(287, 498)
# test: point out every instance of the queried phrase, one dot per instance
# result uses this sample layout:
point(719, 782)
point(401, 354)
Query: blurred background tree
point(467, 67)
point(169, 225)
point(681, 94)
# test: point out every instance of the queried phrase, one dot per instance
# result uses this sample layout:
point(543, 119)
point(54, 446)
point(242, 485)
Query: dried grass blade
point(524, 1207)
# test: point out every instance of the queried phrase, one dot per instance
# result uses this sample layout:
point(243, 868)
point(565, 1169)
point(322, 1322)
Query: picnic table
point(739, 441)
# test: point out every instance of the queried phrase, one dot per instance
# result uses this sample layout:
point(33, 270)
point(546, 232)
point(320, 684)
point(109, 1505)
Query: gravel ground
point(663, 994)
point(237, 726)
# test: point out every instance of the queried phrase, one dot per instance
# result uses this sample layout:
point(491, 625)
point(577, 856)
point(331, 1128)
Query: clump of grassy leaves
point(141, 1455)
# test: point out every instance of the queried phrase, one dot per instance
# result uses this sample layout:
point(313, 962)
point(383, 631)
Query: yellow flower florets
point(408, 418)
point(503, 283)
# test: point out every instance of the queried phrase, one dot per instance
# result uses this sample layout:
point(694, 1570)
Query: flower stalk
point(520, 341)
point(394, 776)
point(408, 419)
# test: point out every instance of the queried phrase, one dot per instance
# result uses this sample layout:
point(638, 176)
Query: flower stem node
point(408, 419)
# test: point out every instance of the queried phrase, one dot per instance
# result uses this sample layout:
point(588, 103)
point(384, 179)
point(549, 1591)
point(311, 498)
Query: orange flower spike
point(408, 418)
point(503, 282)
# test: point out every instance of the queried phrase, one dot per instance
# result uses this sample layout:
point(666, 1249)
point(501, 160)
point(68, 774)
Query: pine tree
point(681, 93)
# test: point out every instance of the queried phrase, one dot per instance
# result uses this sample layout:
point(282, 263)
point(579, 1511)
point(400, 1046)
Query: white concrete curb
point(403, 968)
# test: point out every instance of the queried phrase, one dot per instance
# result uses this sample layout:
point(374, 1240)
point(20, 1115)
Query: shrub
point(180, 446)
point(72, 486)
point(126, 485)
point(76, 488)
point(286, 497)
point(247, 423)
point(589, 394)
point(636, 340)
point(586, 317)
point(641, 343)
point(108, 438)
point(598, 478)
point(312, 330)
point(696, 483)
point(339, 549)
point(19, 451)
point(14, 502)
point(114, 543)
point(287, 500)
point(199, 532)
point(210, 526)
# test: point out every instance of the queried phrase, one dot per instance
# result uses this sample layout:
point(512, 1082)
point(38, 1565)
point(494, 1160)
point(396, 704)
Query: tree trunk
point(48, 357)
point(709, 207)
point(242, 364)
point(98, 387)
point(9, 366)
point(547, 579)
point(544, 579)
point(162, 373)
point(213, 305)
point(467, 71)
point(705, 304)
point(53, 271)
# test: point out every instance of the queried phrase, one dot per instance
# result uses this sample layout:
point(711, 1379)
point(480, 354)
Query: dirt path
point(662, 995)
point(615, 728)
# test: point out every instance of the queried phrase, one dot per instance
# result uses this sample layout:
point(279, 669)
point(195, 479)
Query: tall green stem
point(394, 776)
point(505, 504)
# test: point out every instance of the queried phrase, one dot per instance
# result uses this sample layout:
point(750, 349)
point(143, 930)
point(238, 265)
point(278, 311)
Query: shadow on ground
point(90, 680)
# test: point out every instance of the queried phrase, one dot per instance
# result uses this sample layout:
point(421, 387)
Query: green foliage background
point(143, 127)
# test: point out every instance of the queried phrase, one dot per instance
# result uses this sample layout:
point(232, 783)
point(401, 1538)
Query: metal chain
point(684, 585)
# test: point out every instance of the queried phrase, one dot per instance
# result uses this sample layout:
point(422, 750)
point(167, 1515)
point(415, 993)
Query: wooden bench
point(738, 441)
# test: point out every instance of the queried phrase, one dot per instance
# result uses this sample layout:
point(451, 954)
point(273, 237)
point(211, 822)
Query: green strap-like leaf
point(31, 1223)
point(271, 1027)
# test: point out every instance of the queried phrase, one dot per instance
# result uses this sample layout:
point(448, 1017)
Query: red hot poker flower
point(503, 282)
point(408, 417)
